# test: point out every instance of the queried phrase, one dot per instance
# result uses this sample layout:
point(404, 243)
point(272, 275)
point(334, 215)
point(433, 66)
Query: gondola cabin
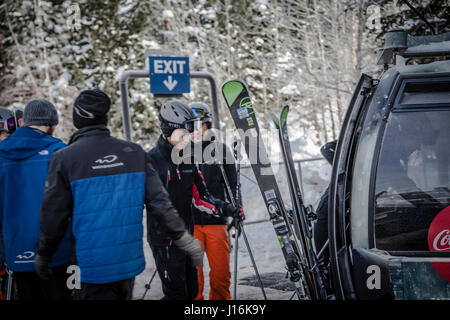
point(389, 212)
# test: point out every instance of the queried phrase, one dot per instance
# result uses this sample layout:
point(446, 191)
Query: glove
point(232, 211)
point(41, 265)
point(192, 247)
point(239, 214)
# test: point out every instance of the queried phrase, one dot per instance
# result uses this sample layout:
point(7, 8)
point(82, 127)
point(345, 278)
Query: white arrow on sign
point(169, 83)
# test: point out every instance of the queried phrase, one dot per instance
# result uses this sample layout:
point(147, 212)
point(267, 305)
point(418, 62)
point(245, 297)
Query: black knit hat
point(91, 108)
point(40, 112)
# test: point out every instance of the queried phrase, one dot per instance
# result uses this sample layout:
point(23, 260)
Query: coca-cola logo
point(442, 241)
point(439, 240)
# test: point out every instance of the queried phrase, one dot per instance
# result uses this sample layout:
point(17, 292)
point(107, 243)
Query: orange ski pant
point(214, 239)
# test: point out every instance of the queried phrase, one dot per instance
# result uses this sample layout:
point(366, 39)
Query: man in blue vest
point(99, 185)
point(24, 160)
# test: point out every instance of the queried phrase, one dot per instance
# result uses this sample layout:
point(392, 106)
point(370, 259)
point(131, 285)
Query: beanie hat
point(91, 108)
point(40, 112)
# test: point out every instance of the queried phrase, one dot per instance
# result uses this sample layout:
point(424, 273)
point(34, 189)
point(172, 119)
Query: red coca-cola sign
point(439, 240)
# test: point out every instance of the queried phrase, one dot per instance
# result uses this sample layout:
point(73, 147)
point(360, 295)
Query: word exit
point(169, 66)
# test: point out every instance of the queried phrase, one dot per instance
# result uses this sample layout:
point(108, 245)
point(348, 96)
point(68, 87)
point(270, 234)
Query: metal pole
point(133, 74)
point(215, 101)
point(123, 84)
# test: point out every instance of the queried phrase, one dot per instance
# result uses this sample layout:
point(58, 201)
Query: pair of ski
point(300, 257)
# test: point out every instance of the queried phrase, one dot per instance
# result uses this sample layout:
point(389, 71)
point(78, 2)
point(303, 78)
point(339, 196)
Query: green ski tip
point(274, 119)
point(231, 91)
point(283, 115)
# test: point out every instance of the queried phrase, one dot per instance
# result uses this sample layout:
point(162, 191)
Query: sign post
point(169, 72)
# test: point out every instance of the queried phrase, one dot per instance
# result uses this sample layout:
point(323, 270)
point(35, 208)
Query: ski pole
point(236, 244)
point(9, 284)
point(253, 261)
point(148, 285)
point(239, 224)
point(323, 248)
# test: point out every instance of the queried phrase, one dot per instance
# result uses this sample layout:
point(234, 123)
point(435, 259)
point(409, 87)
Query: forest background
point(305, 53)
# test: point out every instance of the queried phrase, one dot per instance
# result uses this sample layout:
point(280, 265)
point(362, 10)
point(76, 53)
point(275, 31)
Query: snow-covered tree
point(305, 53)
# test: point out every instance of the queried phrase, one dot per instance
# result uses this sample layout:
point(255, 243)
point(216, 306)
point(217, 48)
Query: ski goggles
point(9, 124)
point(201, 113)
point(192, 125)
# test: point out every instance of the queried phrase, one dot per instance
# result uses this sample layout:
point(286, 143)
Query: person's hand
point(238, 217)
point(41, 264)
point(192, 247)
point(239, 214)
point(230, 210)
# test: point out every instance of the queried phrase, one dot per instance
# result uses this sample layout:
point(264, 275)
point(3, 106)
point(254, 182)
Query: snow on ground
point(261, 237)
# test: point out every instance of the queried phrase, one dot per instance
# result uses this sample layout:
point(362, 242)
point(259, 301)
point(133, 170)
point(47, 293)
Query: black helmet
point(328, 150)
point(201, 110)
point(7, 120)
point(175, 115)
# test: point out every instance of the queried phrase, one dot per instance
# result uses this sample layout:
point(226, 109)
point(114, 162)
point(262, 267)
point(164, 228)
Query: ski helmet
point(175, 115)
point(328, 150)
point(7, 120)
point(201, 110)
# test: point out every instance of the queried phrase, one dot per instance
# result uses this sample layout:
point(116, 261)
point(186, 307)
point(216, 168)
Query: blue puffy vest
point(107, 226)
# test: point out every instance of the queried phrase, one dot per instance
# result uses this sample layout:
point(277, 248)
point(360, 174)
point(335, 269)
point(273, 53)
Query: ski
point(300, 216)
point(239, 103)
point(294, 217)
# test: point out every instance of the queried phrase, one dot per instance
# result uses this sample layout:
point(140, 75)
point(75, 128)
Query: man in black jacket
point(99, 185)
point(172, 159)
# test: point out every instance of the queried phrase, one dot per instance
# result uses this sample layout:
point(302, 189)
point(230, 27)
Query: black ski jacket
point(99, 185)
point(322, 207)
point(216, 184)
point(185, 186)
